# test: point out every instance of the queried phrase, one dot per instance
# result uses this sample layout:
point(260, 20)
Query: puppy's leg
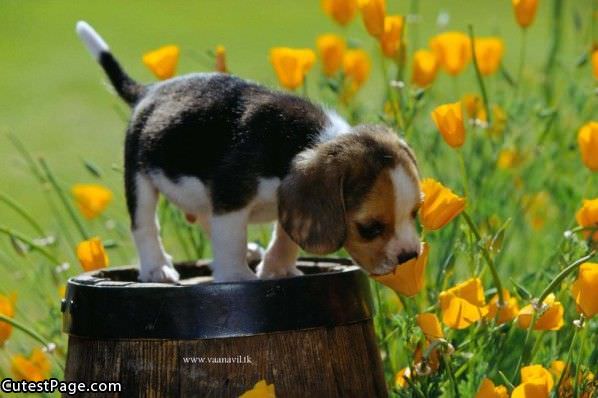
point(254, 251)
point(154, 264)
point(229, 244)
point(280, 257)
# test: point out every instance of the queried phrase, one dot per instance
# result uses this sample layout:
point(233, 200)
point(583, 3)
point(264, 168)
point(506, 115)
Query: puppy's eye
point(370, 230)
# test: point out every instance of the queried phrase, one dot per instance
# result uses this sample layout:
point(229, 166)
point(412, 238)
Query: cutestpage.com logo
point(9, 385)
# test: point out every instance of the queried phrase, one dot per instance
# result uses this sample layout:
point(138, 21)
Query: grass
point(55, 103)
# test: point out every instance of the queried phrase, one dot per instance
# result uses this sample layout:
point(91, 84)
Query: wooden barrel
point(309, 336)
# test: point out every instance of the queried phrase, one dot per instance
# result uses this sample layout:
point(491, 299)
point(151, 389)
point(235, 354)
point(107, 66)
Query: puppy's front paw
point(241, 273)
point(164, 273)
point(275, 272)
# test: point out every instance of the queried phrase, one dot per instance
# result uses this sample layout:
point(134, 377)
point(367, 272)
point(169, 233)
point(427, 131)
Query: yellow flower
point(531, 389)
point(440, 205)
point(91, 199)
point(62, 291)
point(551, 318)
point(509, 158)
point(91, 254)
point(401, 377)
point(536, 382)
point(588, 145)
point(7, 309)
point(489, 52)
point(407, 278)
point(291, 65)
point(595, 63)
point(356, 65)
point(463, 304)
point(587, 216)
point(425, 66)
point(489, 390)
point(34, 368)
point(448, 118)
point(452, 50)
point(557, 367)
point(342, 11)
point(474, 107)
point(506, 313)
point(430, 325)
point(525, 11)
point(390, 40)
point(331, 49)
point(261, 390)
point(373, 13)
point(163, 61)
point(585, 289)
point(220, 59)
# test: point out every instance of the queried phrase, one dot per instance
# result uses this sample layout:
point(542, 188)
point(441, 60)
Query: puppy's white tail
point(128, 89)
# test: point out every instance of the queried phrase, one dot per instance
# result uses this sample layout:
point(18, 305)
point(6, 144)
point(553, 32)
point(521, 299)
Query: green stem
point(382, 323)
point(449, 370)
point(584, 334)
point(29, 243)
point(463, 173)
point(391, 96)
point(479, 75)
point(489, 261)
point(30, 332)
point(19, 210)
point(568, 363)
point(563, 274)
point(522, 55)
point(63, 199)
point(557, 16)
point(524, 357)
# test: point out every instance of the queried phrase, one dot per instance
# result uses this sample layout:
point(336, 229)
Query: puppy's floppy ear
point(311, 206)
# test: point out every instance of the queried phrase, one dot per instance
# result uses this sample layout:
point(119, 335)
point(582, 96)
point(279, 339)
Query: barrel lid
point(110, 303)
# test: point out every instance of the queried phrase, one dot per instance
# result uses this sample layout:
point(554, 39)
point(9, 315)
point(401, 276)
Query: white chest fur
point(193, 197)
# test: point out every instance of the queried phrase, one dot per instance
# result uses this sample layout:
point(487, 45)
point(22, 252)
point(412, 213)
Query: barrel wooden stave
point(322, 362)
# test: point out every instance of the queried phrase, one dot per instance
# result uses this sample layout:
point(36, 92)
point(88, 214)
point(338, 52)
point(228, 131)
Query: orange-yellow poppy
point(550, 319)
point(440, 205)
point(407, 278)
point(585, 289)
point(92, 255)
point(91, 199)
point(448, 119)
point(291, 65)
point(331, 49)
point(163, 61)
point(463, 304)
point(587, 138)
point(35, 368)
point(453, 51)
point(342, 11)
point(425, 67)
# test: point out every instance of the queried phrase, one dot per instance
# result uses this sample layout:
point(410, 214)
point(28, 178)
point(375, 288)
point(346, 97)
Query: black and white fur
point(217, 147)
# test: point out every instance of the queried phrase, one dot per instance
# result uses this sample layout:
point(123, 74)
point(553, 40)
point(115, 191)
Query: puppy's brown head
point(360, 191)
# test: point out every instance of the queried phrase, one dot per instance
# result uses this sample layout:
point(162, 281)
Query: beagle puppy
point(230, 152)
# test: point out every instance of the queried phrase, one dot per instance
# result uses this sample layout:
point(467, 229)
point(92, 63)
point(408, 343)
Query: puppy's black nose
point(406, 256)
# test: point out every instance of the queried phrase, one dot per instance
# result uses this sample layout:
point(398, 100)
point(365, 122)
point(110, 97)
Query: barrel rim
point(96, 308)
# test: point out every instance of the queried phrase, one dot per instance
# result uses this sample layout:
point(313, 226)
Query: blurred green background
point(55, 98)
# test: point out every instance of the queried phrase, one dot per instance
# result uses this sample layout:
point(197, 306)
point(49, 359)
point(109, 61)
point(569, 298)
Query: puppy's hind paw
point(164, 273)
point(264, 272)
